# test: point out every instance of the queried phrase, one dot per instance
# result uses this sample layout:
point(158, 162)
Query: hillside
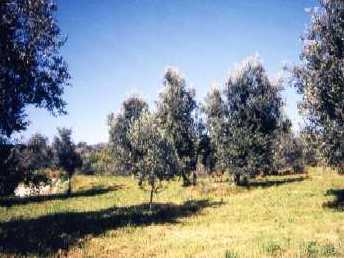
point(290, 216)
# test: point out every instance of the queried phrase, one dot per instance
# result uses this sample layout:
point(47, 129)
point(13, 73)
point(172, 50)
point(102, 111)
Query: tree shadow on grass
point(48, 234)
point(10, 201)
point(275, 182)
point(338, 202)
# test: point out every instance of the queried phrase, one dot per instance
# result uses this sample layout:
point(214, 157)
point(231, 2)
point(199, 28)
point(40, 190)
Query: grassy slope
point(277, 216)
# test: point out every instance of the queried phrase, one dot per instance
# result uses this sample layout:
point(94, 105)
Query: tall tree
point(120, 124)
point(213, 109)
point(157, 157)
point(32, 72)
point(252, 115)
point(176, 113)
point(65, 156)
point(320, 78)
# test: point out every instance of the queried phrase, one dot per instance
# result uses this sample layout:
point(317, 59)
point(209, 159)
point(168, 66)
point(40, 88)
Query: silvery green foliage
point(119, 144)
point(157, 159)
point(252, 106)
point(32, 72)
point(214, 111)
point(176, 113)
point(288, 151)
point(320, 78)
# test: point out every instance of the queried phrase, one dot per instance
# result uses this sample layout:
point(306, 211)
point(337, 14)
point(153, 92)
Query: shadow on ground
point(338, 202)
point(48, 234)
point(10, 201)
point(275, 182)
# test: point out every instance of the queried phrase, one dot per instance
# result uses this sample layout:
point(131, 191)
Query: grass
point(290, 216)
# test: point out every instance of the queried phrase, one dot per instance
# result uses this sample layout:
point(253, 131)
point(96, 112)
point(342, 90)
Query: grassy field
point(291, 216)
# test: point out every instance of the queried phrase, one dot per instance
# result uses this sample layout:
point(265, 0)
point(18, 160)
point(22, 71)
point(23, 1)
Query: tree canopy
point(320, 78)
point(119, 126)
point(32, 71)
point(213, 108)
point(252, 115)
point(157, 159)
point(65, 156)
point(176, 113)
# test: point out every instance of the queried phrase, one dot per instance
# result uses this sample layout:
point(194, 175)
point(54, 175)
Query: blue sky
point(119, 47)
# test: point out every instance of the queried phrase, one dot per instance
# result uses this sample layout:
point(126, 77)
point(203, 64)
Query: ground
point(289, 216)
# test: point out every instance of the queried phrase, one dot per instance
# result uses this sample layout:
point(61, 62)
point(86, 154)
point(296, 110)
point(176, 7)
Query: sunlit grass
point(291, 216)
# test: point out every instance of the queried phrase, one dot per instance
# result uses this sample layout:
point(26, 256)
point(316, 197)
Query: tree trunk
point(341, 170)
point(140, 182)
point(236, 179)
point(69, 191)
point(151, 197)
point(186, 180)
point(194, 178)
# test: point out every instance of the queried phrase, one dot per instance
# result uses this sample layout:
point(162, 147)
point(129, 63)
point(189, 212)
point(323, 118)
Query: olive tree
point(157, 158)
point(32, 72)
point(252, 115)
point(119, 124)
point(34, 156)
point(288, 150)
point(320, 78)
point(37, 153)
point(65, 156)
point(213, 108)
point(176, 114)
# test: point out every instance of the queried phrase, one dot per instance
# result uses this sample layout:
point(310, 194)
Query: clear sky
point(119, 47)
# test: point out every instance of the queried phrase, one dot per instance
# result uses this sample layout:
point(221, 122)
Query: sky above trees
point(116, 48)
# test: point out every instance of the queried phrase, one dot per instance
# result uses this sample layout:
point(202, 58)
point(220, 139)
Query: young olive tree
point(176, 114)
point(320, 78)
point(119, 143)
point(252, 116)
point(157, 159)
point(65, 156)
